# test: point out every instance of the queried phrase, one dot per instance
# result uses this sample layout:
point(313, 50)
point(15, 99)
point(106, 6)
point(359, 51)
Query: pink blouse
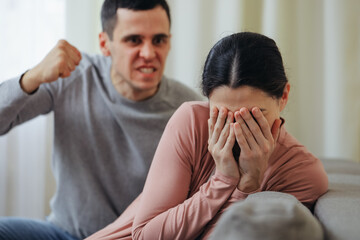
point(183, 198)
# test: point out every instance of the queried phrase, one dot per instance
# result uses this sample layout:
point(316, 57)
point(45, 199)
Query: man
point(109, 111)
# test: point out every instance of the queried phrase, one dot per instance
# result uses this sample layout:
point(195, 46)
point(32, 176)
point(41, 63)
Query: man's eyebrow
point(162, 35)
point(131, 36)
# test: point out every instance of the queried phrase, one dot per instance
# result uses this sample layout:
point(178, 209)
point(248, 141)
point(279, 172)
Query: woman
point(200, 169)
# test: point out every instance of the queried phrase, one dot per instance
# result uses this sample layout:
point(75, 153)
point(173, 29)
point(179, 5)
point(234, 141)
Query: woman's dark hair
point(245, 59)
point(109, 8)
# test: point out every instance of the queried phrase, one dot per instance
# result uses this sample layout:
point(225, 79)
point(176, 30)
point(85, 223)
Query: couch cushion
point(268, 215)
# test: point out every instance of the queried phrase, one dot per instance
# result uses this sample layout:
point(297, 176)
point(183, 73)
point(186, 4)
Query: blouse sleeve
point(166, 211)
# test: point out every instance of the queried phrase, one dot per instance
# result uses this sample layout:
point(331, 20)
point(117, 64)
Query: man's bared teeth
point(147, 70)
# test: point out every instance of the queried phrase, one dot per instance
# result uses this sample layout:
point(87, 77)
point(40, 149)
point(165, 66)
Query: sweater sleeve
point(166, 211)
point(17, 107)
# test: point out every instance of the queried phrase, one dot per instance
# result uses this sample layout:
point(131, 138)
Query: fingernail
point(222, 111)
point(256, 110)
point(237, 115)
point(243, 111)
point(214, 109)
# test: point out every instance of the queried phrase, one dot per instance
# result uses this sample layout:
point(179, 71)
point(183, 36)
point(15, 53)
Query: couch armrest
point(339, 209)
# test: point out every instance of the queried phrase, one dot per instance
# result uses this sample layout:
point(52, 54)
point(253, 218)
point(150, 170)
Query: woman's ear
point(103, 41)
point(285, 97)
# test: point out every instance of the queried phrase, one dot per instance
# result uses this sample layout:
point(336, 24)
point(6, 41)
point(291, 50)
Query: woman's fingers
point(212, 120)
point(246, 131)
point(219, 125)
point(225, 131)
point(240, 138)
point(231, 138)
point(262, 122)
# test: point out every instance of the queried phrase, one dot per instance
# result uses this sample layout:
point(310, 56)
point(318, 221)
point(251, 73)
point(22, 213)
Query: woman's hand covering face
point(256, 139)
point(221, 141)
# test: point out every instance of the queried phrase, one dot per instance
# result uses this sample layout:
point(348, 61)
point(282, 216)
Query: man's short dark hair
point(109, 8)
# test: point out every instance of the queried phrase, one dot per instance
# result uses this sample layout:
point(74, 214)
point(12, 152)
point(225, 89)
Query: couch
point(275, 215)
point(338, 210)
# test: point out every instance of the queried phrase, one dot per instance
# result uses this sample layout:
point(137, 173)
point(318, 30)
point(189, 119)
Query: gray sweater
point(103, 142)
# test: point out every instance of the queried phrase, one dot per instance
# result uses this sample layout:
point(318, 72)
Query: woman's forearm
point(188, 219)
